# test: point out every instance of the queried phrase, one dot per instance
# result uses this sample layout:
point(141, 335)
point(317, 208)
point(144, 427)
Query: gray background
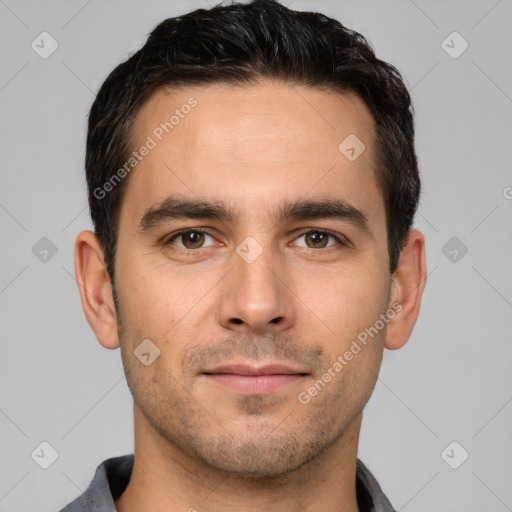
point(451, 382)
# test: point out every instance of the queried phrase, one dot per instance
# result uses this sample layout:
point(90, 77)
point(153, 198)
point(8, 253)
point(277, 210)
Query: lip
point(252, 380)
point(246, 369)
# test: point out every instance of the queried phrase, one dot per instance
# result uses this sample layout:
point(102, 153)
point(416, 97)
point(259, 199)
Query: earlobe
point(407, 287)
point(95, 289)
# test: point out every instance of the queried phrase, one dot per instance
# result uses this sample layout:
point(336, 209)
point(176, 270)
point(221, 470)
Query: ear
point(95, 290)
point(407, 286)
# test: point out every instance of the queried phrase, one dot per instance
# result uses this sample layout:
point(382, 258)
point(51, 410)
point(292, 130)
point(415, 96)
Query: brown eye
point(190, 239)
point(319, 239)
point(194, 238)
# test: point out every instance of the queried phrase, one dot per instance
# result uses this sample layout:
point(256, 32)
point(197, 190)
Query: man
point(252, 182)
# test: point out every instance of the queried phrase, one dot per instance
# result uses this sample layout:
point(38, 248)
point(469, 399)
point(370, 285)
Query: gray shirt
point(112, 477)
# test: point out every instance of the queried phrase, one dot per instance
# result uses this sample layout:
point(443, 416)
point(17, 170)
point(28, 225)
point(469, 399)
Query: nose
point(256, 297)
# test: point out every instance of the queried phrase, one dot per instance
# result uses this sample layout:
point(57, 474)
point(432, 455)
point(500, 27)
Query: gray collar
point(112, 477)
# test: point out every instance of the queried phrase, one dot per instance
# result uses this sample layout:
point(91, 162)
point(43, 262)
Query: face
point(251, 288)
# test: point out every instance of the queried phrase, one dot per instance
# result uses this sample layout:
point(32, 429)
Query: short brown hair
point(241, 44)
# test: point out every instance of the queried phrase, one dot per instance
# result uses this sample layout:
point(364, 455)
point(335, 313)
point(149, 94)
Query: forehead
point(252, 146)
point(267, 117)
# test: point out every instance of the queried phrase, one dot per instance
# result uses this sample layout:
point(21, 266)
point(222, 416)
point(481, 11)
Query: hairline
point(253, 78)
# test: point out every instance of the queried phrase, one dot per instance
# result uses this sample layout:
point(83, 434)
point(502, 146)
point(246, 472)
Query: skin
point(199, 445)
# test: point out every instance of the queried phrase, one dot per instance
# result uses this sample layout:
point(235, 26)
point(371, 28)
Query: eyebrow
point(314, 209)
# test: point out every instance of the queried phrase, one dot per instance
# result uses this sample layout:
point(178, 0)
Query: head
point(209, 153)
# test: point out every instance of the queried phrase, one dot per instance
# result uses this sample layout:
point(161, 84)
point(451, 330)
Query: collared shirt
point(112, 477)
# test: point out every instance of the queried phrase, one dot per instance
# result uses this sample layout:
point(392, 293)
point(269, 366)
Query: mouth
point(252, 380)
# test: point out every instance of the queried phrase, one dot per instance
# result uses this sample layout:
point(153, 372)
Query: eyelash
point(169, 240)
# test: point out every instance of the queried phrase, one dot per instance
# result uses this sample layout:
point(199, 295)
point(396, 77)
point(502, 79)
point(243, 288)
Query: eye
point(319, 238)
point(194, 239)
point(190, 238)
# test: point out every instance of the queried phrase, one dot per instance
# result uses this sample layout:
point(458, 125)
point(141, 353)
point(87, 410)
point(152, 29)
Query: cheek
point(163, 306)
point(150, 297)
point(347, 302)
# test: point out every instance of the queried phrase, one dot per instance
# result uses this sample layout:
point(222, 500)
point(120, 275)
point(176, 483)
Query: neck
point(165, 478)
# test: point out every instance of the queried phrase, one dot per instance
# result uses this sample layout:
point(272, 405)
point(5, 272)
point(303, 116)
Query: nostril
point(237, 321)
